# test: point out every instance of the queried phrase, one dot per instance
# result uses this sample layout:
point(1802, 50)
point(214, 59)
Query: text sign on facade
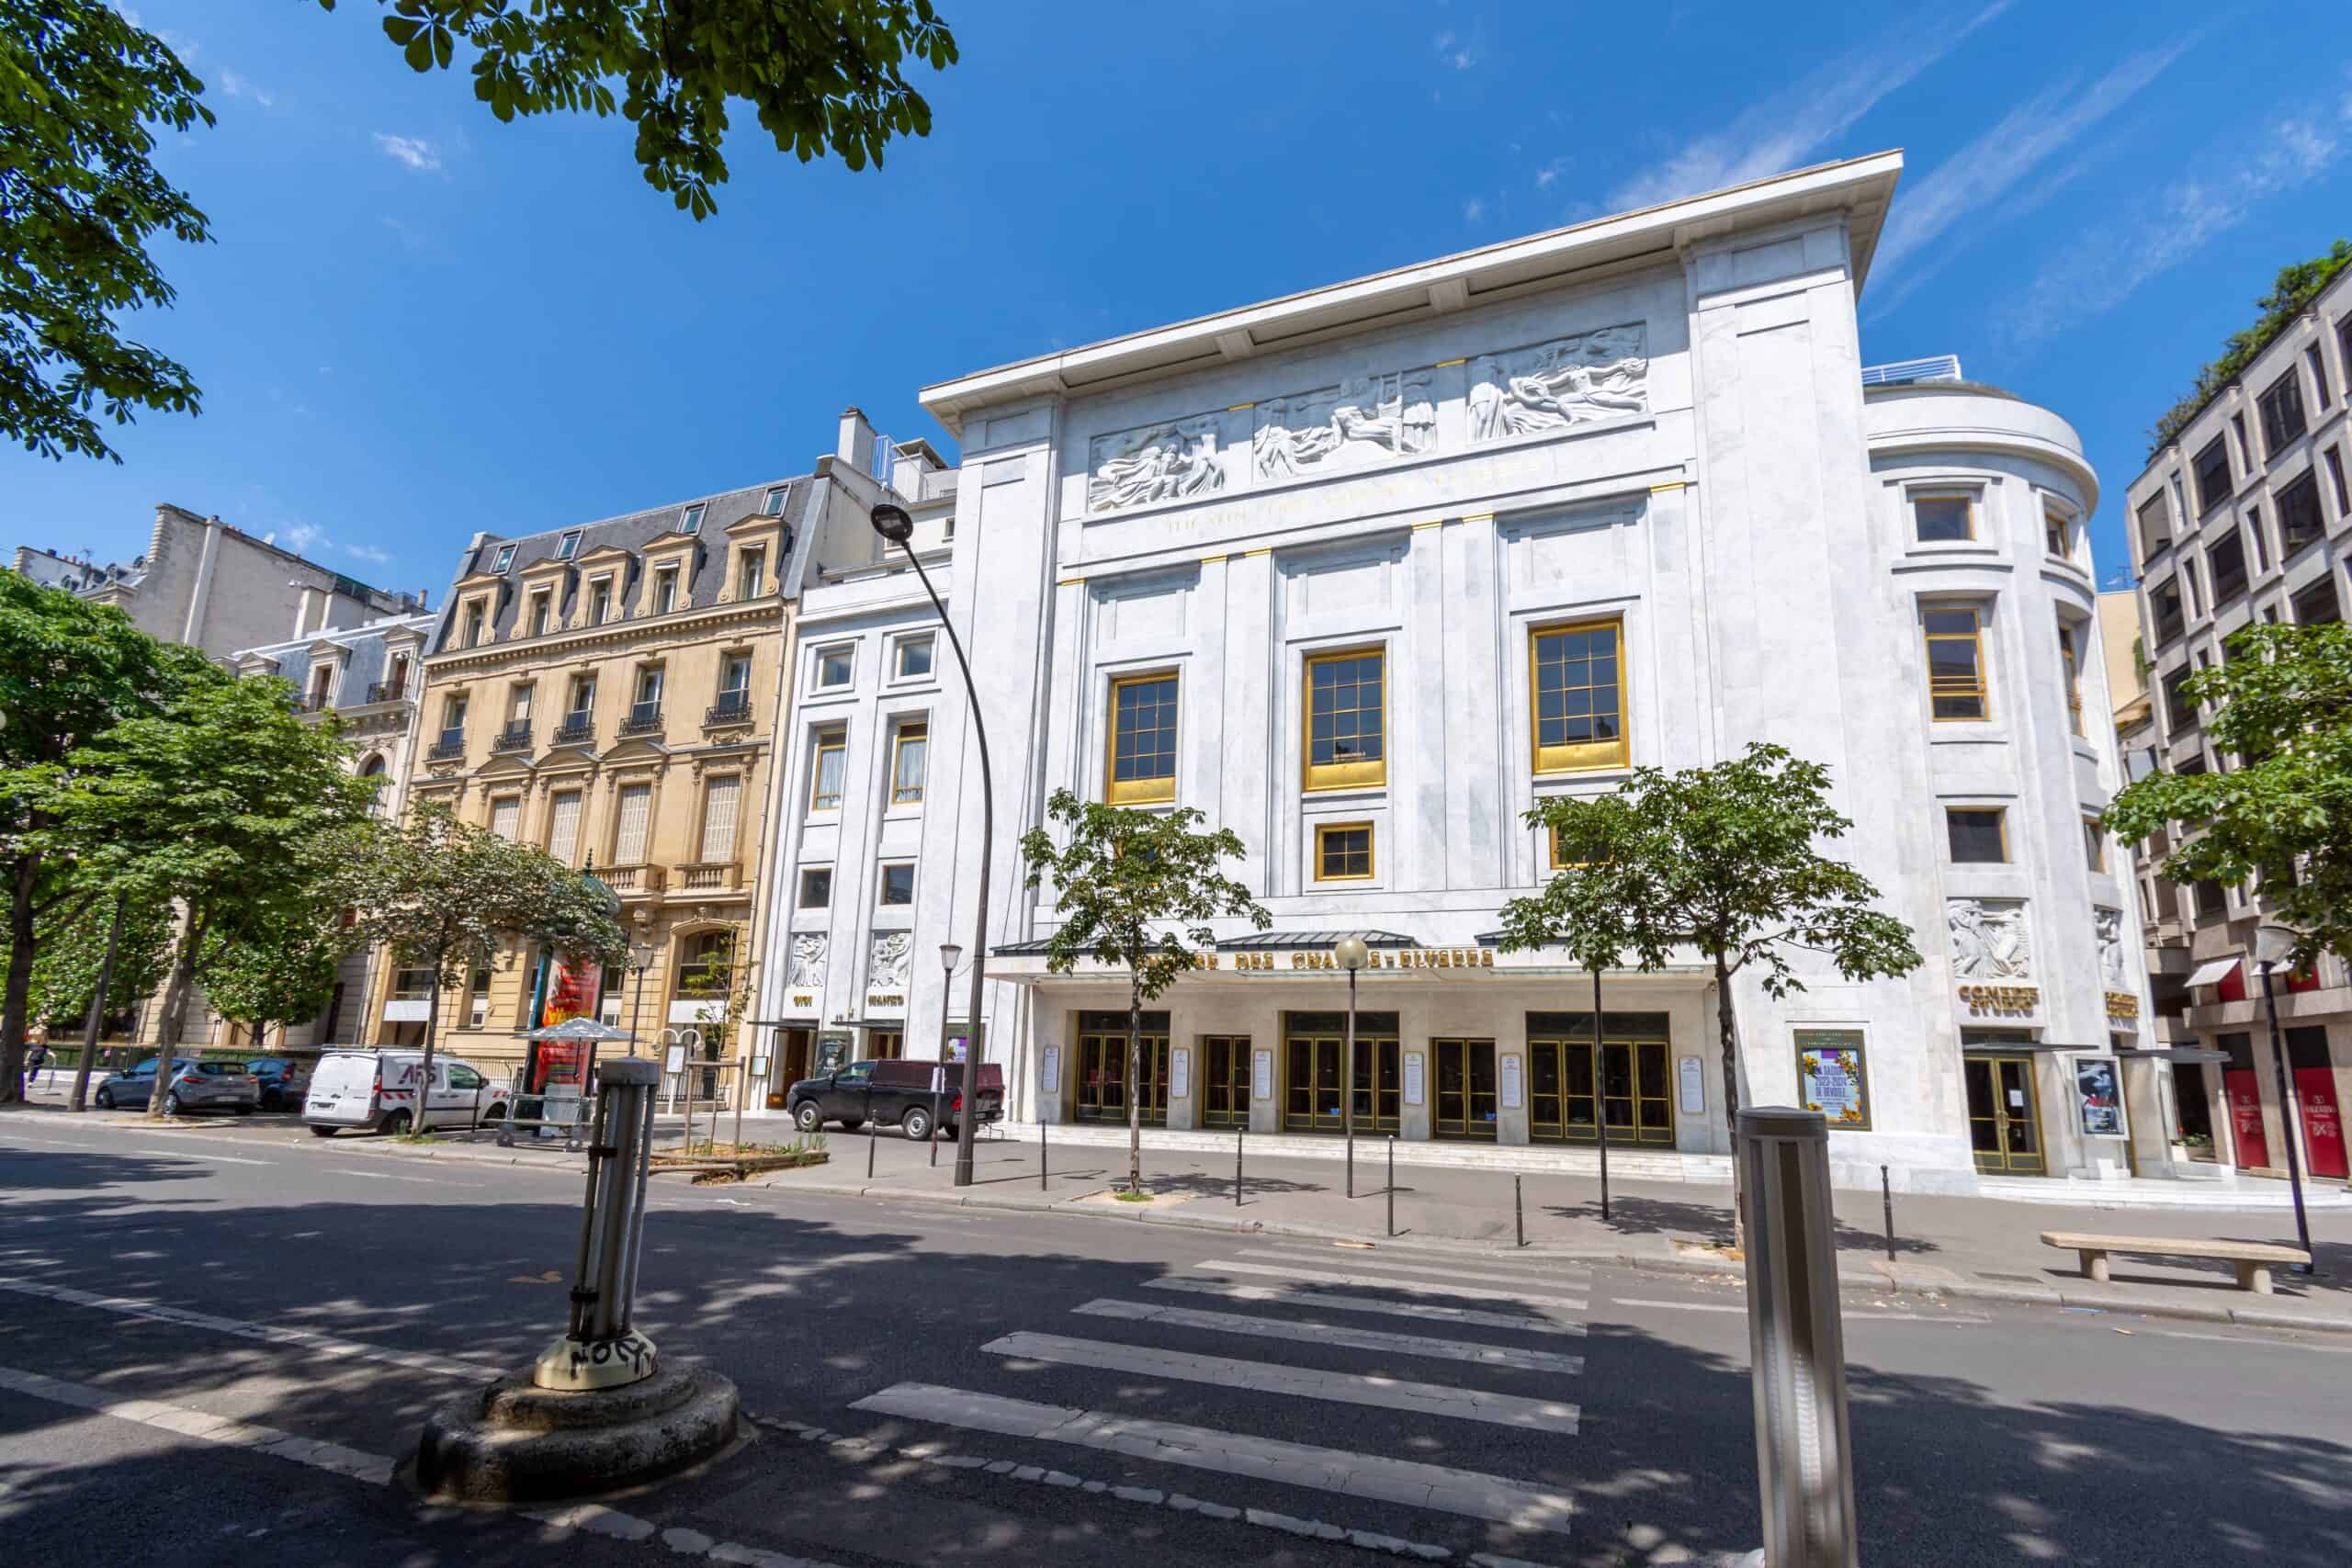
point(1693, 1079)
point(1513, 1086)
point(1261, 1074)
point(1180, 1073)
point(1049, 1070)
point(1413, 1077)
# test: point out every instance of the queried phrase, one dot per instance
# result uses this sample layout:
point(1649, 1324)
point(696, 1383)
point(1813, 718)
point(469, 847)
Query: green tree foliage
point(1723, 859)
point(1136, 891)
point(823, 75)
point(69, 670)
point(444, 896)
point(65, 973)
point(281, 969)
point(225, 802)
point(2290, 295)
point(1588, 910)
point(82, 90)
point(2281, 702)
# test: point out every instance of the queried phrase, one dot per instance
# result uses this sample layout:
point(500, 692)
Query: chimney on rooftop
point(856, 445)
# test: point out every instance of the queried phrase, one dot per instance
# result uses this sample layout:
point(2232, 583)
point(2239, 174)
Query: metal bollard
point(1803, 1446)
point(599, 1348)
point(1041, 1154)
point(869, 1147)
point(1886, 1195)
point(1392, 1186)
point(1518, 1212)
point(1239, 1133)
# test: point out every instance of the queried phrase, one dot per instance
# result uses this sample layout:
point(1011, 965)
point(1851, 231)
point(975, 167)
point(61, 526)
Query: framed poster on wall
point(1830, 1077)
point(2099, 1092)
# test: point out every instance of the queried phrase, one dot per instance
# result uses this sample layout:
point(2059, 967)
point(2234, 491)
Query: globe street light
point(1353, 955)
point(893, 524)
point(2274, 945)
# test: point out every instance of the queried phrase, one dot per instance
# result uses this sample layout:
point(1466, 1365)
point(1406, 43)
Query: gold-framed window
point(1955, 638)
point(909, 748)
point(2073, 659)
point(1343, 851)
point(829, 766)
point(1347, 719)
point(1576, 682)
point(1140, 764)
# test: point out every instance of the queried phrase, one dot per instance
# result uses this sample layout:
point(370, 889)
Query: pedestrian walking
point(35, 1060)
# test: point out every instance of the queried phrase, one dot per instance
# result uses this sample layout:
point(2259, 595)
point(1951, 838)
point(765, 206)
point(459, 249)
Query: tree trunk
point(20, 977)
point(416, 1123)
point(1135, 1080)
point(1731, 1093)
point(96, 1026)
point(169, 1027)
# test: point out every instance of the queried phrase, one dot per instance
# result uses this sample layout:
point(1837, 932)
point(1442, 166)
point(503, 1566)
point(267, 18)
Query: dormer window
point(755, 568)
point(475, 618)
point(505, 559)
point(772, 506)
point(600, 600)
point(542, 605)
point(665, 590)
point(690, 520)
point(568, 546)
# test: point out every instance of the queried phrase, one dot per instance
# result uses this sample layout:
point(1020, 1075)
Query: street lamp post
point(950, 955)
point(641, 958)
point(895, 527)
point(1353, 955)
point(2273, 945)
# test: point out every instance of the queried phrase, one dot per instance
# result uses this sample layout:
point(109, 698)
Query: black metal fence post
point(1518, 1212)
point(1041, 1154)
point(1886, 1196)
point(1240, 1135)
point(1392, 1185)
point(869, 1147)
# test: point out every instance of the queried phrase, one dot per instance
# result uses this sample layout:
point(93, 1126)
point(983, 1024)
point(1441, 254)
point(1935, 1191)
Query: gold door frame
point(1151, 1078)
point(2003, 1159)
point(1378, 1090)
point(1650, 1105)
point(1234, 1081)
point(1480, 1113)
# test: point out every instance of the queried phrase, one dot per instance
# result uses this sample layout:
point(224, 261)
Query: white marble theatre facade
point(1364, 572)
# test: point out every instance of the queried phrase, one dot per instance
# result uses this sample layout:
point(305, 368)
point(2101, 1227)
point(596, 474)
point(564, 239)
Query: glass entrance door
point(1224, 1081)
point(1314, 1051)
point(1465, 1087)
point(2003, 1118)
point(1632, 1087)
point(1102, 1088)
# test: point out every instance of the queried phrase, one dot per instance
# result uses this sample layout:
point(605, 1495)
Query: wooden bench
point(2253, 1259)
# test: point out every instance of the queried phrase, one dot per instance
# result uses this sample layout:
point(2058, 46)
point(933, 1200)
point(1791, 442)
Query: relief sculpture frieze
point(1551, 386)
point(1167, 461)
point(1362, 419)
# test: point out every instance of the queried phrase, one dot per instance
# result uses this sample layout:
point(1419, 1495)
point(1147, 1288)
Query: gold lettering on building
point(2000, 998)
point(2122, 1004)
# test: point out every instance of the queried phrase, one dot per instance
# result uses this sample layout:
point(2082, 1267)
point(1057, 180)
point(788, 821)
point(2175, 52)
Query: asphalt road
point(163, 1282)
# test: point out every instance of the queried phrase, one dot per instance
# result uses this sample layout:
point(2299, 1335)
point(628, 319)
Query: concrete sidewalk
point(1983, 1248)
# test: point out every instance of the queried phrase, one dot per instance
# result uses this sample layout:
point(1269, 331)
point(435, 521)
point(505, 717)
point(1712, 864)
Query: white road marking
point(191, 1154)
point(1844, 1316)
point(1575, 1275)
point(451, 1365)
point(1378, 1282)
point(1420, 1311)
point(204, 1426)
point(2242, 1339)
point(1339, 1334)
point(382, 1176)
point(1300, 1383)
point(1465, 1492)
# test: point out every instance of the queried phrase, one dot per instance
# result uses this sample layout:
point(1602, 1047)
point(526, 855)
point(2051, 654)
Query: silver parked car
point(194, 1086)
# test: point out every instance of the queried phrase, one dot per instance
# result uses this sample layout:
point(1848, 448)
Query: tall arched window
point(373, 768)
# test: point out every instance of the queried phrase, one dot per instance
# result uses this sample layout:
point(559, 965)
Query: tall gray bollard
point(1797, 1344)
point(600, 1348)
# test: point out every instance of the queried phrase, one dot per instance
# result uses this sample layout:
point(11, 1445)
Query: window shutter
point(563, 831)
point(507, 817)
point(628, 843)
point(718, 819)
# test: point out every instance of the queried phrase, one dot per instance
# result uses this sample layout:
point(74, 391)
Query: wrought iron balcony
point(645, 718)
point(732, 708)
point(451, 744)
point(515, 737)
point(578, 729)
point(387, 691)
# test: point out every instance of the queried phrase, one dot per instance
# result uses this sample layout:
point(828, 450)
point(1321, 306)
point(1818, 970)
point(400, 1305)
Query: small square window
point(1943, 519)
point(506, 558)
point(690, 520)
point(568, 546)
point(899, 884)
point(773, 505)
point(2058, 534)
point(816, 887)
point(1343, 851)
point(914, 657)
point(1977, 835)
point(2094, 844)
point(834, 666)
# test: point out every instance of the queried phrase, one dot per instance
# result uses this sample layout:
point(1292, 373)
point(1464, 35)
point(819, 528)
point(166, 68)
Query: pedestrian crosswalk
point(1407, 1359)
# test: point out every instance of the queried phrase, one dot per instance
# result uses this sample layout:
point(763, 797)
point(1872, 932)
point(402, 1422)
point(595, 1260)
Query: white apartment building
point(1363, 573)
point(2246, 515)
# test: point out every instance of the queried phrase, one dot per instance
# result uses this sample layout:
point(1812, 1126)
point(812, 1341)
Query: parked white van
point(377, 1090)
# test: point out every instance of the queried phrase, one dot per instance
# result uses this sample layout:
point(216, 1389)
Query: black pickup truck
point(895, 1094)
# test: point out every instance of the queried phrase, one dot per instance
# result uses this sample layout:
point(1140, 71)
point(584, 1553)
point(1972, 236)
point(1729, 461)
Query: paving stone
point(692, 1542)
point(1029, 1472)
point(1060, 1478)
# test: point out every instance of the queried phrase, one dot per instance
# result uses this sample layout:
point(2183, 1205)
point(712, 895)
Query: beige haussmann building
point(607, 692)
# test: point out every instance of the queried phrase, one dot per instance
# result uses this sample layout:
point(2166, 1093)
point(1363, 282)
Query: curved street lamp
point(895, 527)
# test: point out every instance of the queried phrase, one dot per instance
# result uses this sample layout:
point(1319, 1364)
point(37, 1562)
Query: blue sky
point(416, 322)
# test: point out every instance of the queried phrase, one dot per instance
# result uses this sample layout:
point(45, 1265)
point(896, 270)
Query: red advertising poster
point(2245, 1118)
point(2323, 1120)
point(572, 992)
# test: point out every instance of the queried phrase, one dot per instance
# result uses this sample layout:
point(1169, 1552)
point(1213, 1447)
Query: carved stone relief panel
point(1568, 381)
point(1990, 940)
point(2111, 956)
point(807, 962)
point(1166, 461)
point(1362, 419)
point(886, 969)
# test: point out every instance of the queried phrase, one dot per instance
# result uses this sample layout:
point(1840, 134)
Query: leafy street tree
point(224, 803)
point(2282, 703)
point(1121, 873)
point(281, 969)
point(1723, 859)
point(68, 671)
point(444, 895)
point(1587, 910)
point(83, 90)
point(67, 970)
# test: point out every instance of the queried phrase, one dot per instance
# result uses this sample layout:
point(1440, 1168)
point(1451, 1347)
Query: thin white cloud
point(2219, 190)
point(302, 538)
point(1474, 210)
point(1783, 130)
point(370, 553)
point(1546, 176)
point(1983, 171)
point(414, 151)
point(235, 86)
